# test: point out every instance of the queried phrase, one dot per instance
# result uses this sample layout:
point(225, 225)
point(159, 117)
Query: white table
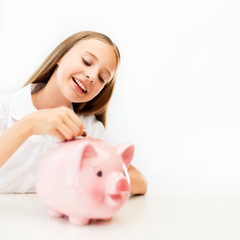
point(150, 217)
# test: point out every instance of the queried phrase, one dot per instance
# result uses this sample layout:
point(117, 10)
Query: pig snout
point(122, 186)
point(117, 191)
point(117, 185)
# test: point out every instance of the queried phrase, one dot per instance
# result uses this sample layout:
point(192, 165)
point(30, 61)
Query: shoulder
point(90, 120)
point(93, 127)
point(5, 102)
point(5, 99)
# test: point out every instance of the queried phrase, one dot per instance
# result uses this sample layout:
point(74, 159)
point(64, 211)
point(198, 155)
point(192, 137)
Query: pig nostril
point(122, 185)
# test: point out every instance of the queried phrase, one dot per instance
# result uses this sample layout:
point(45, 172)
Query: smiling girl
point(65, 98)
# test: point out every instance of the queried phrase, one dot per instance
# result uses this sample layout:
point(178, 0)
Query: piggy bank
point(84, 179)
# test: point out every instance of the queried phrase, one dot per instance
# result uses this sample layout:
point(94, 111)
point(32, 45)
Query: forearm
point(138, 181)
point(12, 139)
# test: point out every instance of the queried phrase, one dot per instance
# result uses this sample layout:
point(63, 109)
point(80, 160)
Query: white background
point(177, 93)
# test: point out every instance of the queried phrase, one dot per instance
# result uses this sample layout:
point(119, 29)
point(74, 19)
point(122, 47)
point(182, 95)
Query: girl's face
point(85, 69)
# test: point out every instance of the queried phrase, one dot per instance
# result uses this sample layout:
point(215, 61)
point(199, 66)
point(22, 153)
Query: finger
point(65, 130)
point(76, 131)
point(73, 116)
point(58, 135)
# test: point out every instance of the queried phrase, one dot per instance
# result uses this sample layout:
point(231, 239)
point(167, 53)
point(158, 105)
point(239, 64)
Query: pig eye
point(99, 173)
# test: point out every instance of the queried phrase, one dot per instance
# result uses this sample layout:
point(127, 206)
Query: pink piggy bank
point(84, 179)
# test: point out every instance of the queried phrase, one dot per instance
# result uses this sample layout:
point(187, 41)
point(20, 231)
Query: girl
point(66, 97)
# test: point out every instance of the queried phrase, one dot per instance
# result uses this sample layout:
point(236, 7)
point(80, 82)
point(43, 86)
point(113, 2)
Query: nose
point(122, 186)
point(91, 76)
point(88, 78)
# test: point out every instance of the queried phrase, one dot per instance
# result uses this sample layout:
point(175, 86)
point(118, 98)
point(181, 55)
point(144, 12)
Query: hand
point(138, 181)
point(60, 122)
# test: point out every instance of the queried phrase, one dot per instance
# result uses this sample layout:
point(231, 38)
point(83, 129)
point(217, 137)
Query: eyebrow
point(98, 59)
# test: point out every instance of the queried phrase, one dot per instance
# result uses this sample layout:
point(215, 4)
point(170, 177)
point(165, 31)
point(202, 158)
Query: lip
point(84, 84)
point(77, 87)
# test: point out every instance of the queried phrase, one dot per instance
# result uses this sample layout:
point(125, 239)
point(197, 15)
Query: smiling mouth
point(80, 85)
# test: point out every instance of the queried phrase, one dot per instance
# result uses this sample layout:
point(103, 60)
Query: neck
point(50, 96)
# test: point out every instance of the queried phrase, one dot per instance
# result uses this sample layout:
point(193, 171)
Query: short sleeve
point(94, 128)
point(4, 112)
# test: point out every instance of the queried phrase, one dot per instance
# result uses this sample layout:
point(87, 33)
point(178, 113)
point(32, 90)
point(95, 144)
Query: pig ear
point(88, 152)
point(126, 151)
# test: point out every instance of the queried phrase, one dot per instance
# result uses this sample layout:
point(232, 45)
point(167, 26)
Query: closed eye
point(86, 62)
point(101, 79)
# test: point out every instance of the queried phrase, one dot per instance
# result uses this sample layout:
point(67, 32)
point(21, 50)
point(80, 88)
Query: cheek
point(68, 68)
point(97, 89)
point(93, 186)
point(97, 189)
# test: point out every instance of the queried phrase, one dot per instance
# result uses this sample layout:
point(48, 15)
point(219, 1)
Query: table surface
point(153, 216)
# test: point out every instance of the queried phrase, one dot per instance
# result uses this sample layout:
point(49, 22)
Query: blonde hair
point(97, 105)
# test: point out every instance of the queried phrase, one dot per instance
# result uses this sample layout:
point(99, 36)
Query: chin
point(78, 100)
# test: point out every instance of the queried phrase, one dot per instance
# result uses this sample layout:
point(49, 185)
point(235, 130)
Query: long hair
point(98, 105)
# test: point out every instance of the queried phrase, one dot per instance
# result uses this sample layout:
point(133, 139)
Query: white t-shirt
point(17, 175)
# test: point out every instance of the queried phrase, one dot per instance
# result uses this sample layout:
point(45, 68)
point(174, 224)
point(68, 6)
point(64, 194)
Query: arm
point(138, 181)
point(12, 139)
point(60, 122)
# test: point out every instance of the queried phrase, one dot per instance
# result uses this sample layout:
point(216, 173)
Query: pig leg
point(79, 220)
point(53, 213)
